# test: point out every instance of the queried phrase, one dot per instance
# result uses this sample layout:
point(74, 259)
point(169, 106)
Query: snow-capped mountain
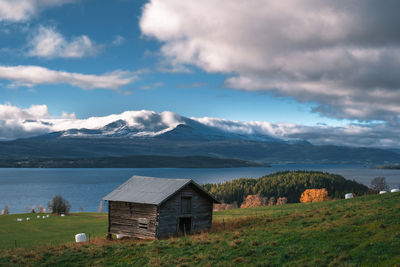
point(167, 134)
point(166, 125)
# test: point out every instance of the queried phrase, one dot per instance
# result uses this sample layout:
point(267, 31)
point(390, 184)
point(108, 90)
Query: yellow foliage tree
point(314, 195)
point(254, 201)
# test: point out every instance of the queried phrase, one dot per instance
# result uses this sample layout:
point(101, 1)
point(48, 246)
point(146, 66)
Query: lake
point(23, 188)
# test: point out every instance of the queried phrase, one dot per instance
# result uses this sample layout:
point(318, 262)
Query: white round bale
point(382, 192)
point(38, 217)
point(19, 219)
point(27, 218)
point(348, 195)
point(395, 190)
point(80, 237)
point(119, 236)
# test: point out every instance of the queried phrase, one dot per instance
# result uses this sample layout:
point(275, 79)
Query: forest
point(289, 184)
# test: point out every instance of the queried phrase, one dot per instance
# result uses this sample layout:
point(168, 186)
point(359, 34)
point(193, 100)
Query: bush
point(5, 211)
point(41, 209)
point(379, 184)
point(254, 201)
point(271, 201)
point(281, 201)
point(59, 205)
point(314, 195)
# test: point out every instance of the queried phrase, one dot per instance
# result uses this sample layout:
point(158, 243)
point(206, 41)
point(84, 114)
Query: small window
point(186, 205)
point(143, 223)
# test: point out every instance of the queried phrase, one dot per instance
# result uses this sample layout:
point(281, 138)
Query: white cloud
point(17, 122)
point(118, 40)
point(36, 75)
point(49, 43)
point(342, 55)
point(144, 121)
point(382, 135)
point(22, 10)
point(9, 112)
point(151, 86)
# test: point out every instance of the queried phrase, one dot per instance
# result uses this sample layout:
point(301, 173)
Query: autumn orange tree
point(314, 195)
point(254, 201)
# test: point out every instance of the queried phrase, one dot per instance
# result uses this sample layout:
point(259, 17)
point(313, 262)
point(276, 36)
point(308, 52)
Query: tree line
point(289, 184)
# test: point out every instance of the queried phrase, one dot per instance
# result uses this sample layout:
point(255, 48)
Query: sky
point(326, 71)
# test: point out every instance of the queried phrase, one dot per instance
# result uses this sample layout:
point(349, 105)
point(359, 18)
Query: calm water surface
point(23, 188)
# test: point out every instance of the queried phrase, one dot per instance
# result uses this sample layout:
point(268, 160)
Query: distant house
point(150, 208)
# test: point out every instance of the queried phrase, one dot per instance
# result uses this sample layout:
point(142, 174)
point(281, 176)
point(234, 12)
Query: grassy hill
point(362, 231)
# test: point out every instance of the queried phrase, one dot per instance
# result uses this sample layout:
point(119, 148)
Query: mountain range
point(180, 137)
point(186, 129)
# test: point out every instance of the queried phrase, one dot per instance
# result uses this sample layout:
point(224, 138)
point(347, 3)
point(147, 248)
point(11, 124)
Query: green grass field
point(364, 231)
point(51, 231)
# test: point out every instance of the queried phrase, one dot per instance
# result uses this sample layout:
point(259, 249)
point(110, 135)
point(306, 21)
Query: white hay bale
point(395, 190)
point(80, 237)
point(19, 219)
point(348, 195)
point(47, 215)
point(44, 217)
point(382, 192)
point(27, 218)
point(119, 236)
point(62, 215)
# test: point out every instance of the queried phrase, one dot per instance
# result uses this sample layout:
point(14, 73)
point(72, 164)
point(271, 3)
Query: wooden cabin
point(151, 208)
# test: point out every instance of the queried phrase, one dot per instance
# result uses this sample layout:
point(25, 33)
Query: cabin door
point(185, 225)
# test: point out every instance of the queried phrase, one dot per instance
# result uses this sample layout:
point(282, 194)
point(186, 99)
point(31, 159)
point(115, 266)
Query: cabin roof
point(150, 190)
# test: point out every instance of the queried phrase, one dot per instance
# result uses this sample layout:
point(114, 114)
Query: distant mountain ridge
point(187, 130)
point(168, 134)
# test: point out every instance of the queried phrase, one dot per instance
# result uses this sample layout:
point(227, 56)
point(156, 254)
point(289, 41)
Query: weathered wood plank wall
point(170, 211)
point(130, 218)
